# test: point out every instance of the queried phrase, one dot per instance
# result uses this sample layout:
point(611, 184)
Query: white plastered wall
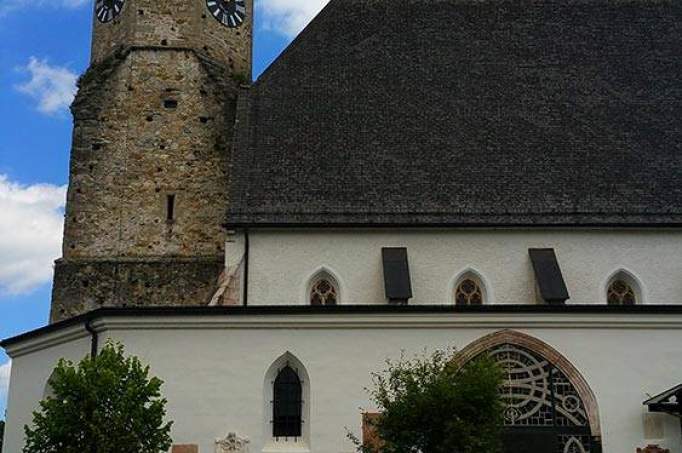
point(215, 368)
point(280, 262)
point(28, 383)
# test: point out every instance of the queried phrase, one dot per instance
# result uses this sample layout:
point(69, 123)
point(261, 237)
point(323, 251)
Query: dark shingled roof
point(468, 112)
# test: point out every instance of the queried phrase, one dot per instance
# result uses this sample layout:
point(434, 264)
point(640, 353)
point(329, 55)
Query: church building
point(503, 177)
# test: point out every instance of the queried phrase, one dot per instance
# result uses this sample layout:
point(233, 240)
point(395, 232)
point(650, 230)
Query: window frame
point(476, 277)
point(629, 279)
point(282, 425)
point(324, 296)
point(321, 273)
point(301, 443)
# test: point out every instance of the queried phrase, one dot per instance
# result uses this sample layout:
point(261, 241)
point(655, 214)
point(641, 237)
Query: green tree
point(106, 404)
point(429, 405)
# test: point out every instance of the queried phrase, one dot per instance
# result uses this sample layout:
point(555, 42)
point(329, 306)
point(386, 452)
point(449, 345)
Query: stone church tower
point(153, 122)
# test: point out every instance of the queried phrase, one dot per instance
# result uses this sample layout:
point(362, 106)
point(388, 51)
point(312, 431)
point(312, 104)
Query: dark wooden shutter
point(397, 283)
point(548, 276)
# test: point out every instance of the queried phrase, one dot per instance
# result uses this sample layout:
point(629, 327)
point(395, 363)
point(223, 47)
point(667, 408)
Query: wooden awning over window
point(669, 402)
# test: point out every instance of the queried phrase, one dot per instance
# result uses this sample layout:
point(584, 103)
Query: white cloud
point(288, 17)
point(8, 6)
point(31, 227)
point(5, 369)
point(52, 86)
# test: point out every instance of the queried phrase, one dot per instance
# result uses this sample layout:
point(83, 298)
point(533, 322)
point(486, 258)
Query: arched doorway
point(549, 406)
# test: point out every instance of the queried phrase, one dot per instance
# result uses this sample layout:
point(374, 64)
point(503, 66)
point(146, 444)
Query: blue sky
point(44, 47)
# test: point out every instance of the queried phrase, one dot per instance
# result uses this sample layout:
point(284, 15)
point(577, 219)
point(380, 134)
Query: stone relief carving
point(232, 443)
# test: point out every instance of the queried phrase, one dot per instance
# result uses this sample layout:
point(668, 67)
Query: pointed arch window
point(469, 291)
point(324, 291)
point(539, 396)
point(623, 290)
point(287, 405)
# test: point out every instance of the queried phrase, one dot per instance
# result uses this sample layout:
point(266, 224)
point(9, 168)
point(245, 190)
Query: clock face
point(108, 10)
point(230, 13)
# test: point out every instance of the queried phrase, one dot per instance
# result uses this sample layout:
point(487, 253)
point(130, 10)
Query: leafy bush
point(108, 404)
point(428, 405)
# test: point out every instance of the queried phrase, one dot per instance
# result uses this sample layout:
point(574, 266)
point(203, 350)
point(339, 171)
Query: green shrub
point(428, 405)
point(108, 404)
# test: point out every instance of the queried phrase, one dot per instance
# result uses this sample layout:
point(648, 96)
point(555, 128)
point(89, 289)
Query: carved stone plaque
point(232, 443)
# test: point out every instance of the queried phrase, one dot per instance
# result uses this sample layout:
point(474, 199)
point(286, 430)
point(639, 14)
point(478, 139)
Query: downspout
point(245, 294)
point(94, 338)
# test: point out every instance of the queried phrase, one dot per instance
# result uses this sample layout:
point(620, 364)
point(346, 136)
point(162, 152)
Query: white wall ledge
point(352, 317)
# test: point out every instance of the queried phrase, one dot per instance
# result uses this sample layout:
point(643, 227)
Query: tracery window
point(287, 404)
point(469, 292)
point(323, 292)
point(538, 397)
point(621, 292)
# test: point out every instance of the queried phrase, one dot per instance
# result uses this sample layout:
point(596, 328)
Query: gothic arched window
point(469, 291)
point(623, 289)
point(537, 395)
point(323, 291)
point(287, 404)
point(621, 292)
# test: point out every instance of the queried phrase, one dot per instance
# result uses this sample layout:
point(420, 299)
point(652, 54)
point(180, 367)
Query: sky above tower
point(45, 47)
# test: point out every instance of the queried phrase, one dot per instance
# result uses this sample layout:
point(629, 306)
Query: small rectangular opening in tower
point(170, 207)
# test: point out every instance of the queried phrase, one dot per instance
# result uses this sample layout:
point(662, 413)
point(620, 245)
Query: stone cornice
point(644, 317)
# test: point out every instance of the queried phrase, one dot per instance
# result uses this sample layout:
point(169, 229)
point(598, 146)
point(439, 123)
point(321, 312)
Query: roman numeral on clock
point(108, 10)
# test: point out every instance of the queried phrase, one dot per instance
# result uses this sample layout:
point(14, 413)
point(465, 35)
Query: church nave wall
point(283, 262)
point(218, 368)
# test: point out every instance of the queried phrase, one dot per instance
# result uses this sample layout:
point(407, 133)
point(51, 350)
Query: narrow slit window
point(170, 208)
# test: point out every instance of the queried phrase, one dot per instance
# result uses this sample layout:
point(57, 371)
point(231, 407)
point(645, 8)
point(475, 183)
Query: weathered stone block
point(187, 448)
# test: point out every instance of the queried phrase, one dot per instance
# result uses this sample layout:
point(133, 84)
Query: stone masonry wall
point(152, 128)
point(180, 24)
point(153, 124)
point(82, 286)
point(149, 125)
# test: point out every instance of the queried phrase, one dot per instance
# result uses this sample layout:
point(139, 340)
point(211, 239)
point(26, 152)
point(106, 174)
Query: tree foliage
point(428, 405)
point(2, 433)
point(108, 404)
